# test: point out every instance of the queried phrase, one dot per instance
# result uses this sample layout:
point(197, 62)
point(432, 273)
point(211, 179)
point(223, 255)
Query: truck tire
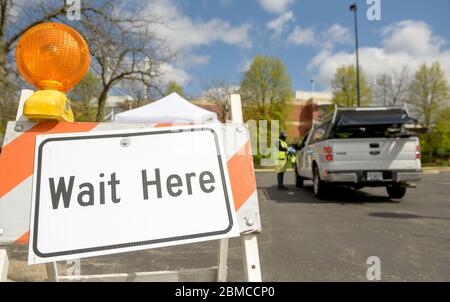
point(298, 179)
point(396, 191)
point(320, 187)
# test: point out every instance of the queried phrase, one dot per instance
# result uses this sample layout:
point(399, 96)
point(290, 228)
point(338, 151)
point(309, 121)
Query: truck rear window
point(370, 124)
point(366, 131)
point(373, 117)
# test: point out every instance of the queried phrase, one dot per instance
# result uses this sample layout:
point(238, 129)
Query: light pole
point(354, 9)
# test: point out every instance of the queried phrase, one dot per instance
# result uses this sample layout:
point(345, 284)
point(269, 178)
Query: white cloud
point(225, 3)
point(220, 92)
point(406, 43)
point(302, 36)
point(233, 35)
point(172, 73)
point(18, 10)
point(278, 25)
point(275, 6)
point(195, 60)
point(183, 33)
point(336, 34)
point(327, 39)
point(244, 66)
point(413, 37)
point(177, 71)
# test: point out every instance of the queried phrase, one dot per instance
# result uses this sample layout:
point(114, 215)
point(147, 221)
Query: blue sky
point(217, 39)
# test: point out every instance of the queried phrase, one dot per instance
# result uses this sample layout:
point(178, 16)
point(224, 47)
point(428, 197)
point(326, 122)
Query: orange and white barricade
point(16, 180)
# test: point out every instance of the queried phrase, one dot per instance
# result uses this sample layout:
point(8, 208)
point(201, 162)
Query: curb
point(271, 170)
point(426, 170)
point(433, 170)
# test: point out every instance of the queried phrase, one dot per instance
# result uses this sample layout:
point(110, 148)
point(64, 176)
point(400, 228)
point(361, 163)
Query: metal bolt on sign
point(125, 142)
point(18, 128)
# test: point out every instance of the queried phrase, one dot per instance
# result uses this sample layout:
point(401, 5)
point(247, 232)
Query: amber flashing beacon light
point(53, 57)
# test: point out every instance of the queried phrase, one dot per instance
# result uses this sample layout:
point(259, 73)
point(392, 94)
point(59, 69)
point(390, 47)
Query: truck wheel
point(396, 191)
point(320, 187)
point(298, 179)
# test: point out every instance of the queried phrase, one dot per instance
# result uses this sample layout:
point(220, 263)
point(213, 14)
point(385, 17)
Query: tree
point(265, 90)
point(12, 26)
point(124, 51)
point(442, 130)
point(437, 141)
point(428, 93)
point(122, 45)
point(16, 17)
point(383, 83)
point(344, 87)
point(173, 86)
point(218, 92)
point(83, 98)
point(392, 89)
point(139, 93)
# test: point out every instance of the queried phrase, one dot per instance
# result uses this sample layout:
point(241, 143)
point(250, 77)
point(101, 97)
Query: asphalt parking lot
point(305, 239)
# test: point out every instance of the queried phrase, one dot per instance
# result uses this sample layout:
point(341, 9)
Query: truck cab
point(358, 147)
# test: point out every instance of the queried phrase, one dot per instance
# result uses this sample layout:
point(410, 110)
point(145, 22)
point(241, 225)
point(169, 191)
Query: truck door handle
point(374, 145)
point(375, 152)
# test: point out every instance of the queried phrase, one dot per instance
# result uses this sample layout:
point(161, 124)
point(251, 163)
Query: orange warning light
point(52, 56)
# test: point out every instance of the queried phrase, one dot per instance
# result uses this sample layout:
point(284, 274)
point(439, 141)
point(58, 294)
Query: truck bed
point(373, 154)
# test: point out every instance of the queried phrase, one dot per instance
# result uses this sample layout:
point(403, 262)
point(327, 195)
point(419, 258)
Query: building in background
point(116, 104)
point(216, 100)
point(211, 106)
point(304, 109)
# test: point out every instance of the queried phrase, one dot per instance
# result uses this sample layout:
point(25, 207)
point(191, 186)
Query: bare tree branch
point(218, 91)
point(122, 44)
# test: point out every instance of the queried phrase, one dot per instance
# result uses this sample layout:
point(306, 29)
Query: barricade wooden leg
point(222, 259)
point(4, 265)
point(250, 255)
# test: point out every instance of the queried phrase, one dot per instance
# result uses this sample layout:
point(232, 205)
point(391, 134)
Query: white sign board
point(110, 192)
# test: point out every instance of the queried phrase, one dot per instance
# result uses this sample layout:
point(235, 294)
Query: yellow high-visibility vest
point(293, 158)
point(282, 154)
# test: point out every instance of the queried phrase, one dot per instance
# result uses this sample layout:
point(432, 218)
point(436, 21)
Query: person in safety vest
point(292, 157)
point(282, 159)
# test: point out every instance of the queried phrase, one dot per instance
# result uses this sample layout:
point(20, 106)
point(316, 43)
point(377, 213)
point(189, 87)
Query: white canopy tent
point(172, 109)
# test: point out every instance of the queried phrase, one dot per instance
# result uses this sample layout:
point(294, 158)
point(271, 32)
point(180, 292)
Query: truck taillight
point(418, 154)
point(328, 153)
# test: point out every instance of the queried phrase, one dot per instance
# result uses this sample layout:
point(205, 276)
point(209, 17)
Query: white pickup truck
point(360, 147)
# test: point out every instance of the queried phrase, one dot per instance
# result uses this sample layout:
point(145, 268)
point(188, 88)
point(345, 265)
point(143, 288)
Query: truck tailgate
point(374, 154)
